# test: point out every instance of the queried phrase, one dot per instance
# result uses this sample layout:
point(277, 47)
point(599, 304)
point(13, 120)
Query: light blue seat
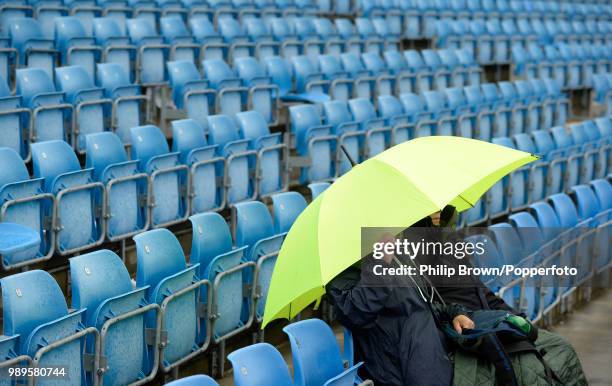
point(272, 153)
point(515, 104)
point(351, 136)
point(341, 86)
point(235, 36)
point(127, 211)
point(365, 85)
point(373, 42)
point(204, 33)
point(194, 380)
point(75, 46)
point(263, 95)
point(537, 174)
point(35, 49)
point(189, 92)
point(317, 188)
point(377, 131)
point(307, 77)
point(512, 252)
point(206, 167)
point(240, 160)
point(562, 106)
point(436, 105)
point(18, 239)
point(51, 115)
point(386, 82)
point(26, 204)
point(93, 112)
point(462, 118)
point(325, 30)
point(441, 73)
point(316, 355)
point(115, 44)
point(286, 207)
point(15, 121)
point(168, 178)
point(129, 105)
point(175, 287)
point(259, 365)
point(223, 266)
point(50, 333)
point(484, 115)
point(101, 285)
point(253, 227)
point(347, 31)
point(259, 33)
point(175, 33)
point(313, 141)
point(231, 96)
point(503, 113)
point(79, 221)
point(152, 51)
point(283, 33)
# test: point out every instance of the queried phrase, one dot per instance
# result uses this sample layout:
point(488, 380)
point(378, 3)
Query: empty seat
point(317, 188)
point(161, 267)
point(101, 286)
point(286, 207)
point(194, 380)
point(80, 220)
point(75, 46)
point(127, 189)
point(152, 52)
point(168, 178)
point(35, 49)
point(189, 92)
point(259, 365)
point(15, 121)
point(115, 44)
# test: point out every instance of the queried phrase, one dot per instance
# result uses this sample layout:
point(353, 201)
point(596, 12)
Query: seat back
point(187, 135)
point(286, 208)
point(103, 150)
point(252, 223)
point(147, 141)
point(159, 255)
point(259, 365)
point(565, 209)
point(194, 380)
point(211, 238)
point(51, 159)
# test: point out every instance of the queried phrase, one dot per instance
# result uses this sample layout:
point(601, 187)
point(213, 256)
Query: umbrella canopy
point(396, 188)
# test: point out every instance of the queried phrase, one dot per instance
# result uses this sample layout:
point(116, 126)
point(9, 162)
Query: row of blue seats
point(572, 65)
point(482, 112)
point(565, 229)
point(172, 312)
point(568, 156)
point(142, 51)
point(114, 197)
point(601, 97)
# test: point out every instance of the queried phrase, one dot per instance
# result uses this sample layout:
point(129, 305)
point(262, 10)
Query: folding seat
point(313, 46)
point(190, 93)
point(350, 134)
point(414, 106)
point(572, 167)
point(175, 286)
point(511, 192)
point(79, 220)
point(539, 65)
point(518, 108)
point(562, 106)
point(259, 33)
point(462, 117)
point(601, 99)
point(341, 86)
point(390, 29)
point(317, 188)
point(258, 365)
point(573, 67)
point(126, 189)
point(510, 29)
point(587, 66)
point(253, 227)
point(522, 64)
point(326, 32)
point(365, 82)
point(402, 125)
point(176, 34)
point(101, 286)
point(152, 52)
point(496, 102)
point(462, 37)
point(436, 105)
point(129, 105)
point(281, 30)
point(547, 150)
point(424, 74)
point(386, 83)
point(223, 266)
point(168, 178)
point(308, 79)
point(92, 111)
point(603, 193)
point(231, 96)
point(580, 32)
point(313, 141)
point(35, 49)
point(310, 339)
point(263, 95)
point(560, 71)
point(525, 29)
point(396, 64)
point(75, 46)
point(377, 131)
point(547, 102)
point(511, 251)
point(527, 96)
point(24, 202)
point(353, 42)
point(241, 161)
point(272, 153)
point(445, 35)
point(212, 44)
point(115, 45)
point(501, 42)
point(460, 74)
point(51, 116)
point(35, 311)
point(194, 380)
point(367, 32)
point(235, 36)
point(286, 207)
point(279, 72)
point(540, 30)
point(442, 74)
point(536, 189)
point(15, 121)
point(588, 153)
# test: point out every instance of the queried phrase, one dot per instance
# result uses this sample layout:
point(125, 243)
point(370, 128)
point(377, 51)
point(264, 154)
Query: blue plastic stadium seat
point(78, 204)
point(75, 46)
point(349, 132)
point(102, 286)
point(271, 174)
point(315, 141)
point(15, 121)
point(18, 239)
point(254, 228)
point(231, 96)
point(168, 177)
point(175, 33)
point(341, 85)
point(206, 167)
point(38, 326)
point(115, 44)
point(152, 51)
point(128, 102)
point(224, 266)
point(52, 116)
point(35, 49)
point(377, 131)
point(175, 287)
point(316, 355)
point(286, 207)
point(263, 95)
point(194, 380)
point(189, 92)
point(126, 188)
point(27, 205)
point(259, 365)
point(92, 111)
point(317, 188)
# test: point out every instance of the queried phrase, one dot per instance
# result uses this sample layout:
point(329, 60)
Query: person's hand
point(461, 321)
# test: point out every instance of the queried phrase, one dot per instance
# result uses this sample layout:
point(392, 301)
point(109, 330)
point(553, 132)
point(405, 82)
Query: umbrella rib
point(463, 198)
